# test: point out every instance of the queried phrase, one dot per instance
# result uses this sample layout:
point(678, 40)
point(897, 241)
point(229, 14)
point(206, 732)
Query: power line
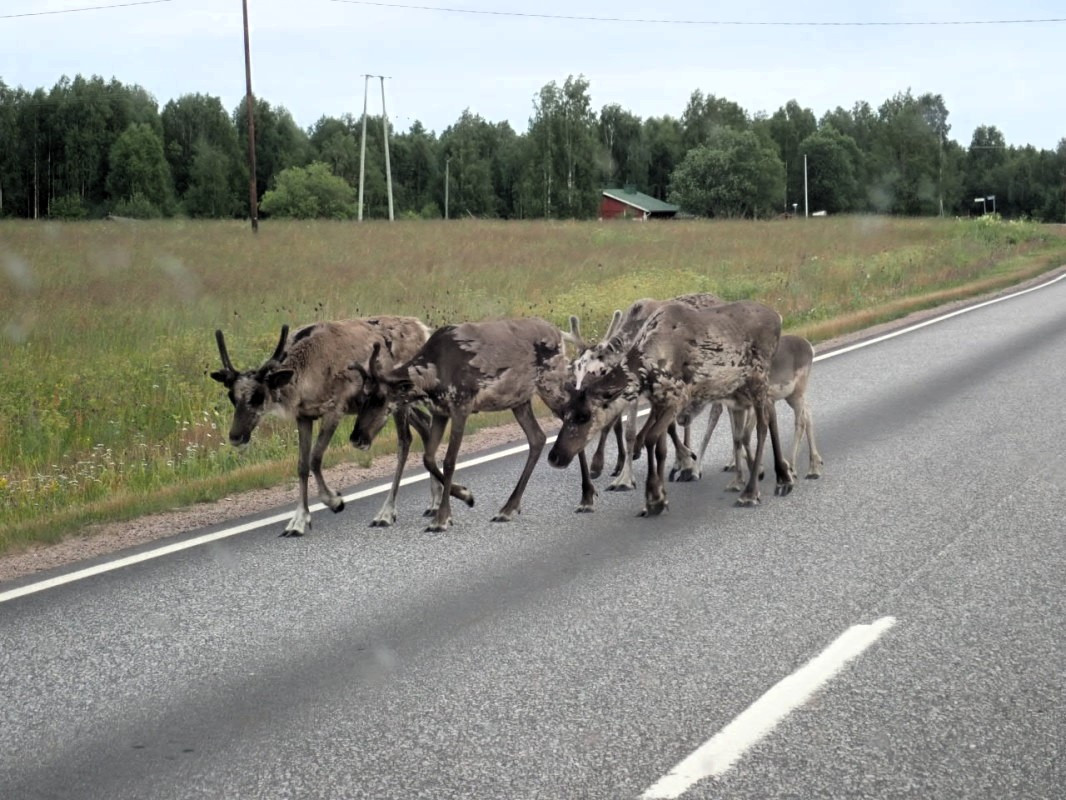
point(722, 22)
point(85, 8)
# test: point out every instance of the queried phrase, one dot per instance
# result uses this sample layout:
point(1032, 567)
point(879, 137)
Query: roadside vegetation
point(106, 328)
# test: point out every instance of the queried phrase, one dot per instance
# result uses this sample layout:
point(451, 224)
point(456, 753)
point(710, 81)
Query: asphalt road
point(584, 656)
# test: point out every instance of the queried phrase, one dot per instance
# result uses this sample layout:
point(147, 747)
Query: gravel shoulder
point(102, 539)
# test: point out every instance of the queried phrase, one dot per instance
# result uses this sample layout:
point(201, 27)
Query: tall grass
point(106, 328)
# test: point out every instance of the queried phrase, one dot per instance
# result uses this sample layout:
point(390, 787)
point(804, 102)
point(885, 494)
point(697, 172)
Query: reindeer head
point(253, 391)
point(587, 410)
point(383, 390)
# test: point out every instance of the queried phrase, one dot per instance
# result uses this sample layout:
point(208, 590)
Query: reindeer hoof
point(747, 502)
point(813, 476)
point(506, 516)
point(783, 489)
point(290, 534)
point(439, 527)
point(654, 509)
point(687, 475)
point(617, 471)
point(584, 509)
point(620, 487)
point(595, 473)
point(429, 512)
point(338, 508)
point(381, 523)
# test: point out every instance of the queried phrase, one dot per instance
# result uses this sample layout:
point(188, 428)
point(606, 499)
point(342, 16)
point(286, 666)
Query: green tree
point(210, 191)
point(734, 175)
point(831, 170)
point(703, 114)
point(193, 122)
point(662, 137)
point(906, 165)
point(788, 127)
point(279, 141)
point(626, 154)
point(139, 168)
point(310, 192)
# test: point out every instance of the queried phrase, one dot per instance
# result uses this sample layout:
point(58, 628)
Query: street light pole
point(447, 183)
point(806, 208)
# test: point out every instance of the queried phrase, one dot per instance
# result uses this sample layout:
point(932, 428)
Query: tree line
point(89, 147)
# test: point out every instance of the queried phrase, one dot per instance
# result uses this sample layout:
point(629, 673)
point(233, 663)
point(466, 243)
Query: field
point(106, 328)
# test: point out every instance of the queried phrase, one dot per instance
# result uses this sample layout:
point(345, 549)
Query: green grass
point(106, 330)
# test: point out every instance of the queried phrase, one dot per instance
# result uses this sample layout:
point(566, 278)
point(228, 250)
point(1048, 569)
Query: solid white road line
point(934, 320)
point(715, 756)
point(59, 580)
point(196, 541)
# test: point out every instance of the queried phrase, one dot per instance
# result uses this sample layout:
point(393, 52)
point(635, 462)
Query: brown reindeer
point(462, 369)
point(308, 378)
point(684, 356)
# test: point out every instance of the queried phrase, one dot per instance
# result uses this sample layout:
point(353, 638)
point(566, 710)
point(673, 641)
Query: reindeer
point(684, 356)
point(790, 372)
point(308, 379)
point(462, 369)
point(598, 359)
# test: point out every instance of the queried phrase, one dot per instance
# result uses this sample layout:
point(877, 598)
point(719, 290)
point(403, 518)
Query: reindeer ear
point(277, 378)
point(224, 376)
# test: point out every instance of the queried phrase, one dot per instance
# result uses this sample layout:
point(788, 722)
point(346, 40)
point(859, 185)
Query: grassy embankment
point(106, 410)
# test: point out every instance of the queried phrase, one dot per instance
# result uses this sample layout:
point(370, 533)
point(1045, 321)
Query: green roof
point(640, 200)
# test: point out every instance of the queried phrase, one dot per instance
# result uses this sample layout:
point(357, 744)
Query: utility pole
point(362, 149)
point(806, 209)
point(385, 130)
point(253, 200)
point(447, 183)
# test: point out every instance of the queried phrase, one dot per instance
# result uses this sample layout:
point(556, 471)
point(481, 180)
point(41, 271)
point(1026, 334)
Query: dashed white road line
point(126, 561)
point(715, 756)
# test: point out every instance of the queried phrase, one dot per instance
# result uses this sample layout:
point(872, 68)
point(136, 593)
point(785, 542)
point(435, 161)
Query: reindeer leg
point(741, 425)
point(588, 491)
point(785, 477)
point(443, 518)
point(805, 426)
point(301, 518)
point(655, 501)
point(750, 495)
point(654, 435)
point(625, 480)
point(597, 456)
point(387, 515)
point(620, 447)
point(712, 422)
point(685, 468)
point(536, 438)
point(326, 427)
point(429, 460)
point(421, 422)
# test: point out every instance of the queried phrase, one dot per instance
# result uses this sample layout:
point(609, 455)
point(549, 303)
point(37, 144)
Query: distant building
point(628, 203)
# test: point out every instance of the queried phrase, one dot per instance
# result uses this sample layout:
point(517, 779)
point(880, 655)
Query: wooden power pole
point(253, 200)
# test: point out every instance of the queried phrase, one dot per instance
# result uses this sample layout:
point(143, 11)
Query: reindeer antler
point(280, 349)
point(226, 363)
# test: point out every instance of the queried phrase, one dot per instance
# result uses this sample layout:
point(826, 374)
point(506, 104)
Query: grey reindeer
point(683, 357)
point(462, 369)
point(790, 374)
point(598, 359)
point(308, 378)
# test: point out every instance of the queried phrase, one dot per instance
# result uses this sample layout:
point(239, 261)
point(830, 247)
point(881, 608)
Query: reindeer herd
point(680, 356)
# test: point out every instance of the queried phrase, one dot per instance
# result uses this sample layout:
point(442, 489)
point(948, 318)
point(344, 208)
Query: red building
point(630, 204)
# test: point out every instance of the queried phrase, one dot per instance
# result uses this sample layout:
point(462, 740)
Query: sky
point(310, 56)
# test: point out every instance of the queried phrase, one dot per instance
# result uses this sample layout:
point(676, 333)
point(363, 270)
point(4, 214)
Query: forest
point(90, 147)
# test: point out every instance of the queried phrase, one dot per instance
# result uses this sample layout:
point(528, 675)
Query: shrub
point(310, 192)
